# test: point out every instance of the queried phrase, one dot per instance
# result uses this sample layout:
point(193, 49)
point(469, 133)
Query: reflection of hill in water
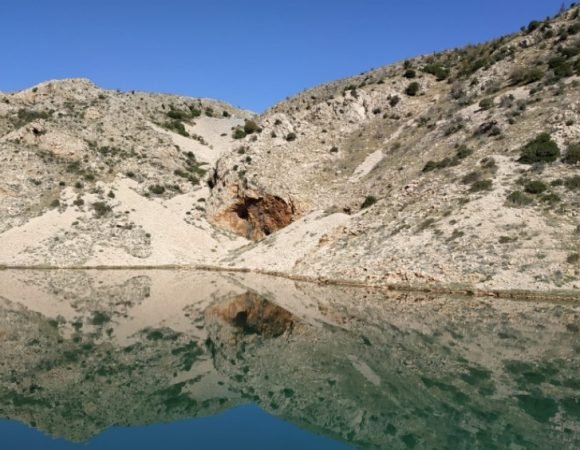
point(82, 351)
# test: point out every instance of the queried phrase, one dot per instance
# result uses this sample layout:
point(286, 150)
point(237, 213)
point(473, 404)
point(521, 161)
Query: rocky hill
point(452, 170)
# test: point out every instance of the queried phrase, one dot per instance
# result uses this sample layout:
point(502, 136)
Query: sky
point(251, 53)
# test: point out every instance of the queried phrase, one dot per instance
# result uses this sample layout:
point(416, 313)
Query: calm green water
point(182, 360)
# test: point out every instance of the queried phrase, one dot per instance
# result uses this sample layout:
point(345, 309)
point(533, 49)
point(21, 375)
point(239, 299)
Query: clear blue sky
point(251, 53)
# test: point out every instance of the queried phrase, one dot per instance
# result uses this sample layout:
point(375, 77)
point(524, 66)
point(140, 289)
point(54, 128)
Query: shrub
point(535, 187)
point(239, 133)
point(195, 112)
point(394, 100)
point(251, 127)
point(486, 103)
point(481, 185)
point(410, 73)
point(561, 67)
point(533, 25)
point(551, 198)
point(527, 76)
point(369, 201)
point(177, 126)
point(518, 198)
point(541, 149)
point(464, 151)
point(156, 189)
point(573, 183)
point(572, 154)
point(436, 70)
point(177, 114)
point(412, 89)
point(573, 258)
point(55, 203)
point(225, 114)
point(471, 177)
point(27, 115)
point(291, 137)
point(101, 209)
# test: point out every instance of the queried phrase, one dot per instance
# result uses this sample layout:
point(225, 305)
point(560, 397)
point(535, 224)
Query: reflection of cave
point(250, 314)
point(256, 218)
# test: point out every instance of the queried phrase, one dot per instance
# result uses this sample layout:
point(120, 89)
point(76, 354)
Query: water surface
point(180, 360)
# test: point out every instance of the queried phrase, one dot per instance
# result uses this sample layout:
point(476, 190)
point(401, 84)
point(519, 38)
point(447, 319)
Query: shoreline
point(441, 289)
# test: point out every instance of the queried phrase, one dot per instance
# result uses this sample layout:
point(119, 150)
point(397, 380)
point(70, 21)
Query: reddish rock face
point(256, 218)
point(250, 314)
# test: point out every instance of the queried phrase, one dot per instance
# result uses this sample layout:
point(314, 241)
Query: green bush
point(542, 149)
point(486, 103)
point(369, 201)
point(291, 137)
point(481, 185)
point(442, 164)
point(573, 183)
point(550, 198)
point(177, 114)
point(101, 209)
point(437, 70)
point(394, 100)
point(25, 116)
point(518, 198)
point(573, 258)
point(572, 154)
point(195, 112)
point(471, 177)
point(177, 126)
point(156, 189)
point(535, 187)
point(239, 133)
point(412, 89)
point(526, 76)
point(410, 73)
point(464, 151)
point(533, 25)
point(251, 127)
point(561, 67)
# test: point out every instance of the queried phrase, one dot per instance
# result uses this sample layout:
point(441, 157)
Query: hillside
point(453, 170)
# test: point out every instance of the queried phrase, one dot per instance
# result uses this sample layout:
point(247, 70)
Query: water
point(202, 360)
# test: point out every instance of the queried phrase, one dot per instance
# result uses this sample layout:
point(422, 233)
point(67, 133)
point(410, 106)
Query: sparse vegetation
point(481, 185)
point(518, 198)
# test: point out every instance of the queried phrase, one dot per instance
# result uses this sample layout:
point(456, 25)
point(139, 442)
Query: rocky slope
point(457, 170)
